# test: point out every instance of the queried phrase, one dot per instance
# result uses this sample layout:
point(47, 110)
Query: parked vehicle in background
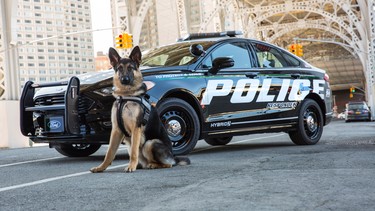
point(357, 111)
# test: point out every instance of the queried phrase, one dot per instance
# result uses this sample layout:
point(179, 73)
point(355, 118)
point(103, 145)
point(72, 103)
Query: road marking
point(88, 172)
point(30, 161)
point(251, 139)
point(54, 179)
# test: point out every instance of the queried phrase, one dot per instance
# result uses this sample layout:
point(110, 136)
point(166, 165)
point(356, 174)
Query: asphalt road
point(257, 172)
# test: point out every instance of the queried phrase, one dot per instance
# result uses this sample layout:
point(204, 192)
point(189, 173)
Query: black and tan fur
point(149, 145)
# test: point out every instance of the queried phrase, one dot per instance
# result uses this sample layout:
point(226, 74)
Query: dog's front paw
point(130, 168)
point(96, 169)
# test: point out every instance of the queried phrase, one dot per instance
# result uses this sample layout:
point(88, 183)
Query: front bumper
point(61, 117)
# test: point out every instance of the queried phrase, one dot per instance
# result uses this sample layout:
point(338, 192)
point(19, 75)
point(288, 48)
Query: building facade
point(44, 55)
point(102, 62)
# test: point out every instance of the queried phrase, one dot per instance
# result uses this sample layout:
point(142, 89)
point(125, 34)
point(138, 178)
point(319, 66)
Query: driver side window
point(237, 51)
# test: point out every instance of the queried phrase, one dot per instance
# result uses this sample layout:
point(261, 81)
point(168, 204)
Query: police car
point(209, 86)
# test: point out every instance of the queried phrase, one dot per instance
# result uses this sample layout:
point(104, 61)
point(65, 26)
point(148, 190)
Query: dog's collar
point(139, 99)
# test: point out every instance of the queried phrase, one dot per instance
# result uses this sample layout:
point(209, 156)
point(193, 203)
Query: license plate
point(54, 124)
point(358, 112)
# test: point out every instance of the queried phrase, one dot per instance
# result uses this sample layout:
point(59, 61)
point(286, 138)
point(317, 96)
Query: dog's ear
point(114, 57)
point(136, 55)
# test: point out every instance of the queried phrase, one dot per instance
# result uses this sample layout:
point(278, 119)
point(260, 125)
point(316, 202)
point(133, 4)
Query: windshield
point(172, 55)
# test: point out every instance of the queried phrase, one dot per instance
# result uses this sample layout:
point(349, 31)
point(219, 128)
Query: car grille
point(49, 100)
point(84, 103)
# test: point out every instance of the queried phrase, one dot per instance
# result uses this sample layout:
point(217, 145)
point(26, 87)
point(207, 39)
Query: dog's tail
point(182, 160)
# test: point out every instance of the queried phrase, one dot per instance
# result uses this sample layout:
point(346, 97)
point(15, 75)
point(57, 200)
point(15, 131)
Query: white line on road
point(53, 179)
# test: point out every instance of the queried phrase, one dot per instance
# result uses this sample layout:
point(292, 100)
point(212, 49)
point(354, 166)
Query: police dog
point(135, 123)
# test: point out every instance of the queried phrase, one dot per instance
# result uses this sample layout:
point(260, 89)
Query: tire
point(310, 124)
point(182, 124)
point(77, 150)
point(218, 141)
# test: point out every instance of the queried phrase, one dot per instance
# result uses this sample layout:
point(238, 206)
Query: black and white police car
point(210, 86)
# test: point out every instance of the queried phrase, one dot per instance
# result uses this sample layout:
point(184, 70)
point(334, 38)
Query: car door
point(226, 99)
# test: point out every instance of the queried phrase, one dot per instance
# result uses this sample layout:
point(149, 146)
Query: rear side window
point(269, 57)
point(237, 51)
point(293, 61)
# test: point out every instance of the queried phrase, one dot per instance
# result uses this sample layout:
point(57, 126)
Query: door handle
point(295, 75)
point(251, 75)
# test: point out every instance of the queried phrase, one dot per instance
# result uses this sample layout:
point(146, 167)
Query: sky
point(101, 18)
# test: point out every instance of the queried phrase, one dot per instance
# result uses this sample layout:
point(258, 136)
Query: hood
point(104, 78)
point(85, 80)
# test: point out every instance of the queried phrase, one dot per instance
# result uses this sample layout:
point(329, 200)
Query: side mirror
point(220, 63)
point(197, 50)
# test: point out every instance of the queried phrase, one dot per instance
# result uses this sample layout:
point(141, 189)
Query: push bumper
point(40, 121)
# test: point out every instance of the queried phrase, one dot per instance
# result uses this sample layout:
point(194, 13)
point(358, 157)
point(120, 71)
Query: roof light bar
point(195, 36)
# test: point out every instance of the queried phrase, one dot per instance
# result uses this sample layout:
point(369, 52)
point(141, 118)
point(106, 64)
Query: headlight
point(106, 91)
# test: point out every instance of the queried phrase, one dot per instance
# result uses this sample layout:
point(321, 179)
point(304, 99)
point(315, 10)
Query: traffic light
point(296, 49)
point(120, 41)
point(299, 50)
point(292, 49)
point(128, 40)
point(352, 91)
point(124, 40)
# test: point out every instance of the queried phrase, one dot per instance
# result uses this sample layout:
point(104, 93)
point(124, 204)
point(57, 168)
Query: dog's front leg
point(114, 143)
point(134, 149)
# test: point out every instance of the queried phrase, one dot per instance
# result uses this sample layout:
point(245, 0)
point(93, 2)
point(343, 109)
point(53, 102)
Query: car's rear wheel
point(182, 124)
point(310, 124)
point(77, 150)
point(218, 141)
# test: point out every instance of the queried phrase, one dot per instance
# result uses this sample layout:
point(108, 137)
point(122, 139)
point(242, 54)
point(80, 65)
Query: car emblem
point(53, 124)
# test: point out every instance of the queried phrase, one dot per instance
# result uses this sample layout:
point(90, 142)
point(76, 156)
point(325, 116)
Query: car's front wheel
point(310, 124)
point(218, 141)
point(77, 150)
point(182, 124)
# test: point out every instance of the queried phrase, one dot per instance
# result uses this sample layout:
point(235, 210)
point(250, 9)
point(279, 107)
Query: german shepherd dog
point(135, 123)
